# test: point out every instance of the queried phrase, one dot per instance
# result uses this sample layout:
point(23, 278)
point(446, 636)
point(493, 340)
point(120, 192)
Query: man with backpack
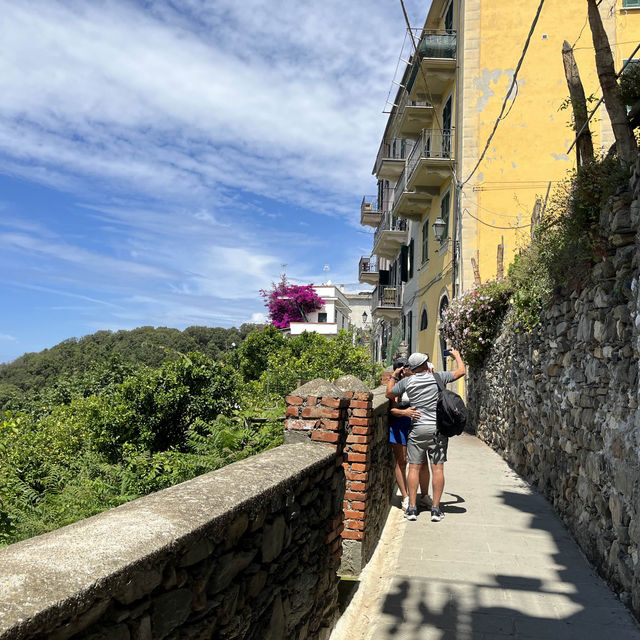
point(424, 443)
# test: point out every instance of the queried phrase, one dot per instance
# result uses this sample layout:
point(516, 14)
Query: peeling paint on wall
point(560, 156)
point(484, 82)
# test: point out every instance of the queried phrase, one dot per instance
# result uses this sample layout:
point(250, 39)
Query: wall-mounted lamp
point(439, 227)
point(365, 317)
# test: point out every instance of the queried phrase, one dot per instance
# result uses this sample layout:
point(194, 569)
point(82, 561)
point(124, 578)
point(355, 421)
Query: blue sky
point(161, 160)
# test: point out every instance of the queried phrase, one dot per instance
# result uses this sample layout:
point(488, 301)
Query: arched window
point(444, 303)
point(424, 320)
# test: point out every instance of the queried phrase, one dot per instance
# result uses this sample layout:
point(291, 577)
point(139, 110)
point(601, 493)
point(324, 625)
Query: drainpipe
point(457, 216)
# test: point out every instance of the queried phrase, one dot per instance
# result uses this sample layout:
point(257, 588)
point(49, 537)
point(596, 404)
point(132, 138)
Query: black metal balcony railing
point(388, 296)
point(434, 44)
point(396, 149)
point(398, 190)
point(389, 223)
point(368, 264)
point(431, 144)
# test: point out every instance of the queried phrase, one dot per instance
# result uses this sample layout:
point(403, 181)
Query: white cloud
point(234, 94)
point(6, 336)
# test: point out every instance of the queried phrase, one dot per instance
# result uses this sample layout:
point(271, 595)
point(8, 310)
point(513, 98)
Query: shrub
point(471, 321)
point(630, 84)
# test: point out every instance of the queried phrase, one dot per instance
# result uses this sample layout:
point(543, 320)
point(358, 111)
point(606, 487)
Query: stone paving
point(500, 565)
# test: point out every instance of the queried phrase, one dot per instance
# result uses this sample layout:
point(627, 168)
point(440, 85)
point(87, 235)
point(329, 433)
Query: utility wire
point(506, 98)
point(493, 226)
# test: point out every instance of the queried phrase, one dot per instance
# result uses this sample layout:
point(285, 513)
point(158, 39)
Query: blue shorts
point(399, 429)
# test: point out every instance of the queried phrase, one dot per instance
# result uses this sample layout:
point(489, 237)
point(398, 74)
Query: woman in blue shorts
point(399, 427)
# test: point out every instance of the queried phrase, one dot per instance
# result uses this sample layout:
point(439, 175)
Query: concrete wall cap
point(319, 388)
point(351, 383)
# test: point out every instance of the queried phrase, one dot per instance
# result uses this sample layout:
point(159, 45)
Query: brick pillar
point(318, 411)
point(357, 454)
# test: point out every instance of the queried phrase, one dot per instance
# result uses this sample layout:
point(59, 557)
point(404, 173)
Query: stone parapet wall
point(560, 404)
point(249, 551)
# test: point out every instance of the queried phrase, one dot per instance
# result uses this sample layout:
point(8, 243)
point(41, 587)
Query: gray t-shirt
point(422, 390)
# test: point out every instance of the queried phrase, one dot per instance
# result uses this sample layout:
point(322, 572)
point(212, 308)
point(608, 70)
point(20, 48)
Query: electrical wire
point(495, 213)
point(506, 98)
point(493, 226)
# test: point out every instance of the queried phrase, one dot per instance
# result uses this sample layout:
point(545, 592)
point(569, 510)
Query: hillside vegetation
point(107, 426)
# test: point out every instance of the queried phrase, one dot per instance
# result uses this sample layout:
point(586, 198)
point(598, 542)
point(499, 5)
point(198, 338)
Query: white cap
point(417, 360)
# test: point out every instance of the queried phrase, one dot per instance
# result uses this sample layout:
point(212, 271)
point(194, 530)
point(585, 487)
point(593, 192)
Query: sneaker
point(411, 513)
point(405, 503)
point(425, 501)
point(436, 514)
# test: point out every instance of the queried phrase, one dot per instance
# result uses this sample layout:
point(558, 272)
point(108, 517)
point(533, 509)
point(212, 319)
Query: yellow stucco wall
point(529, 149)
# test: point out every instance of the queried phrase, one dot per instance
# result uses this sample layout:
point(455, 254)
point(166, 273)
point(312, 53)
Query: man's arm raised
point(460, 370)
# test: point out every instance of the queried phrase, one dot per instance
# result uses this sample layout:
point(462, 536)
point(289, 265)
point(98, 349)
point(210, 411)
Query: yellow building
point(432, 168)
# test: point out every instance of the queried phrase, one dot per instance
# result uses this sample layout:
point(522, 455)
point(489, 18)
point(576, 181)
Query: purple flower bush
point(287, 302)
point(471, 321)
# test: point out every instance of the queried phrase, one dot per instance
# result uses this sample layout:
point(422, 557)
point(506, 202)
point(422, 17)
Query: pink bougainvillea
point(288, 303)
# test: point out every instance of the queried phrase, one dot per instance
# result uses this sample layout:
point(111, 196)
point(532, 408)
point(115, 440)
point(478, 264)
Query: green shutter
point(631, 3)
point(445, 205)
point(425, 241)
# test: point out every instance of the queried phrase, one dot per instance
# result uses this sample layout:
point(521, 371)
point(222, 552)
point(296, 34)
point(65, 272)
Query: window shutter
point(383, 276)
point(411, 259)
point(631, 3)
point(404, 263)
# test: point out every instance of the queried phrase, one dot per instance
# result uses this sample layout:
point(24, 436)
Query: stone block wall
point(249, 551)
point(348, 415)
point(560, 404)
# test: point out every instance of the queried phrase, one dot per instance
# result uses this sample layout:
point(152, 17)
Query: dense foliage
point(630, 84)
point(289, 303)
point(472, 320)
point(568, 242)
point(116, 430)
point(27, 378)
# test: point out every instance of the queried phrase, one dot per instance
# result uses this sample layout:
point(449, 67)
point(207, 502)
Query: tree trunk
point(584, 144)
point(625, 142)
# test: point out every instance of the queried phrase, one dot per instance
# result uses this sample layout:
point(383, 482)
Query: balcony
point(434, 66)
point(413, 116)
point(370, 213)
point(430, 164)
point(390, 235)
point(411, 204)
point(391, 158)
point(387, 302)
point(368, 270)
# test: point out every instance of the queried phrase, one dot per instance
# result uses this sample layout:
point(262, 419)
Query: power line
point(493, 226)
point(506, 98)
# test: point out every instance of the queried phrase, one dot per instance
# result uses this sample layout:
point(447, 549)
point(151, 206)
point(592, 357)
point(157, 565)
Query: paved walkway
point(500, 565)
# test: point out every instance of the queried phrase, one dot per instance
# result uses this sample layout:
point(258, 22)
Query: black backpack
point(451, 413)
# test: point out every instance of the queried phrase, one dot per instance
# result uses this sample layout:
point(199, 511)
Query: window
point(445, 205)
point(448, 18)
point(407, 336)
point(424, 320)
point(631, 3)
point(322, 317)
point(425, 240)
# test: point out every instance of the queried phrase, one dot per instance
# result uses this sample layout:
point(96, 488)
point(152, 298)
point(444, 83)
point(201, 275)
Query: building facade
point(452, 210)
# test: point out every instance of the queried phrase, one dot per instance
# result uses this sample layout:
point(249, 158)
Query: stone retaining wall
point(249, 551)
point(560, 404)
